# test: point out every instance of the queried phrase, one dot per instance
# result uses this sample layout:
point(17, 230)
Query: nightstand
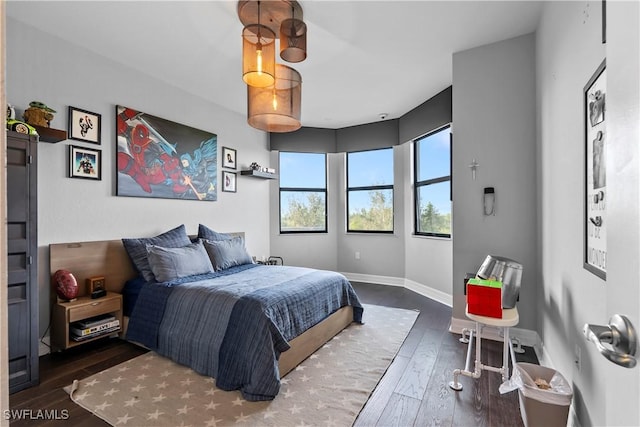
point(65, 313)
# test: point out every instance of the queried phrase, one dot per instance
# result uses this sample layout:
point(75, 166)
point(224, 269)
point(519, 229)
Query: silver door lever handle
point(622, 337)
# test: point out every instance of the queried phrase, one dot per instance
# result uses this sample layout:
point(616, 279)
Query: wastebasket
point(538, 406)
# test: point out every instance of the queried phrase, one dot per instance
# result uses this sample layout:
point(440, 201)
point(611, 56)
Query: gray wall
point(427, 116)
point(305, 140)
point(42, 67)
point(494, 123)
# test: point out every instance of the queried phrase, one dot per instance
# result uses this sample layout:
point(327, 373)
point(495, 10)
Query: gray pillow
point(173, 263)
point(137, 248)
point(227, 253)
point(206, 233)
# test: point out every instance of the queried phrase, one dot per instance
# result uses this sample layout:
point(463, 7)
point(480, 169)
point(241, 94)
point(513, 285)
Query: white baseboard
point(416, 287)
point(428, 292)
point(543, 356)
point(370, 278)
point(44, 346)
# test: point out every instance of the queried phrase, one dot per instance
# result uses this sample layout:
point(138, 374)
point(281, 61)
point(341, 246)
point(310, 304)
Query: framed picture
point(595, 174)
point(84, 125)
point(85, 163)
point(228, 158)
point(160, 158)
point(229, 181)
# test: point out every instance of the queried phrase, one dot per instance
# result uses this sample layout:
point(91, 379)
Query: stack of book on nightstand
point(93, 327)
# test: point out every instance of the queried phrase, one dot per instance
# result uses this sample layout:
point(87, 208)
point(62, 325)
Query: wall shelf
point(50, 134)
point(259, 174)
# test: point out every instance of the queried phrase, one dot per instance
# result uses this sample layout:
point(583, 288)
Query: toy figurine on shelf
point(38, 114)
point(17, 125)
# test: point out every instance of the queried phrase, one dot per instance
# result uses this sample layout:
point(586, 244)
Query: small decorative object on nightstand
point(96, 287)
point(66, 285)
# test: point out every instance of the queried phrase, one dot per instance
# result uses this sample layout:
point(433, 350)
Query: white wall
point(428, 261)
point(314, 250)
point(42, 67)
point(424, 264)
point(380, 254)
point(623, 184)
point(494, 123)
point(569, 49)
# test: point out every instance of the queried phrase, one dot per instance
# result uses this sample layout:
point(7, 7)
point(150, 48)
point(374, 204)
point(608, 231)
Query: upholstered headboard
point(106, 258)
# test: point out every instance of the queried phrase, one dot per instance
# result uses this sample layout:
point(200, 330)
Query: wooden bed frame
point(109, 259)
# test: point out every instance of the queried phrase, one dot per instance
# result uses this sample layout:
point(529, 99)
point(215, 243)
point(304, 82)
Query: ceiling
point(364, 57)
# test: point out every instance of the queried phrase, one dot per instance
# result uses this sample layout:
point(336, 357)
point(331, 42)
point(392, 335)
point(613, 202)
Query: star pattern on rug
point(328, 389)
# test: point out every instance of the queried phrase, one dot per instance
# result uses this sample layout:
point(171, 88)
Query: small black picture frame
point(84, 125)
point(229, 182)
point(229, 160)
point(595, 177)
point(85, 163)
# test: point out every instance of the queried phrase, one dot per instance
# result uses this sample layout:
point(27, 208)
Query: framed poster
point(595, 174)
point(229, 181)
point(85, 163)
point(228, 158)
point(164, 159)
point(84, 125)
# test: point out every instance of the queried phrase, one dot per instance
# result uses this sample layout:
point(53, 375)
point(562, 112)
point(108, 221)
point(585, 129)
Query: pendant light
point(258, 54)
point(276, 108)
point(293, 39)
point(274, 91)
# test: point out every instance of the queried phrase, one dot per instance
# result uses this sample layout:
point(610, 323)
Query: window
point(432, 185)
point(303, 193)
point(370, 191)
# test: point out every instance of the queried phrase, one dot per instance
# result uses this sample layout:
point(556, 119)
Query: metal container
point(504, 270)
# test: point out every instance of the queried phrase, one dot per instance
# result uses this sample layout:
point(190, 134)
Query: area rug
point(329, 388)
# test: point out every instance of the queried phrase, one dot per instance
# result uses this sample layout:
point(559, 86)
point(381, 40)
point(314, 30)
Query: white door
point(623, 209)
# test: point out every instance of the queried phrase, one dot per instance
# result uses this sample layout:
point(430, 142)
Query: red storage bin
point(484, 297)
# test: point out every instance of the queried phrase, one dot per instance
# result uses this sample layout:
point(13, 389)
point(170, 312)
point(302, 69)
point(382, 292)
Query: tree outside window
point(370, 191)
point(303, 192)
point(432, 185)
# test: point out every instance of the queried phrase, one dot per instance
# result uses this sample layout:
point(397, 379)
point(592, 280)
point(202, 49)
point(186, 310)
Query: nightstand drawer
point(94, 308)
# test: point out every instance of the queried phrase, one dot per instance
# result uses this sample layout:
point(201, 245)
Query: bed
point(268, 318)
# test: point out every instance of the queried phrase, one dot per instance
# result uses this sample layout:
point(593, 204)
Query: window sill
point(422, 236)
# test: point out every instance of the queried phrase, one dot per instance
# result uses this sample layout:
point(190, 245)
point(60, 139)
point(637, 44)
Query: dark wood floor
point(415, 389)
point(413, 392)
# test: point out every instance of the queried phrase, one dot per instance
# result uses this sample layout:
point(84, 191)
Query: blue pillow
point(206, 233)
point(227, 253)
point(173, 263)
point(137, 248)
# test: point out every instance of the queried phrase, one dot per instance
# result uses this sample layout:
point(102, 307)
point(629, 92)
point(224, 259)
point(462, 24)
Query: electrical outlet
point(577, 357)
point(357, 255)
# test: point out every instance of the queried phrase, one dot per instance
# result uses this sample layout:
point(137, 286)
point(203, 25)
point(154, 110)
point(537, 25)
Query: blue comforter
point(233, 325)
